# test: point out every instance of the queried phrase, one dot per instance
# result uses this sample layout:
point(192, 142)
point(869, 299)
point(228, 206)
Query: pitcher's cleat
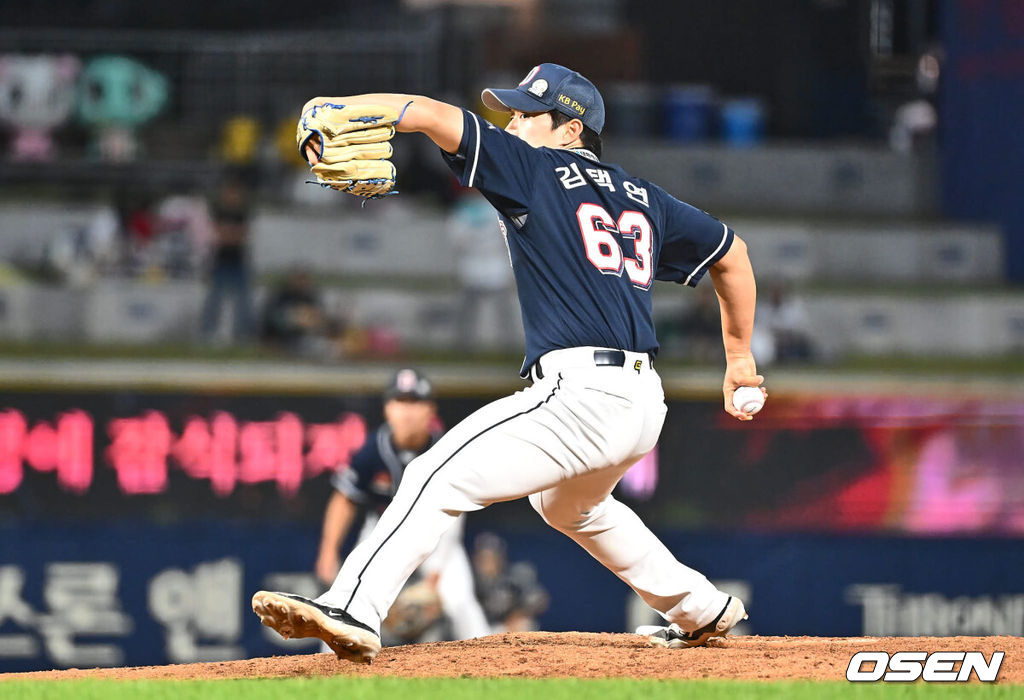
point(294, 616)
point(674, 637)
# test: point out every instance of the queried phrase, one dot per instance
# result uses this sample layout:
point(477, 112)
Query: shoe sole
point(294, 619)
point(733, 615)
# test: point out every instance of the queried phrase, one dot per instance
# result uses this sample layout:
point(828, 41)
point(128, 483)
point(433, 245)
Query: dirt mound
point(583, 655)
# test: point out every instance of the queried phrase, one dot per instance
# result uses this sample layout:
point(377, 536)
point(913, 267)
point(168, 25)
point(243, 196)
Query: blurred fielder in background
point(369, 483)
point(586, 241)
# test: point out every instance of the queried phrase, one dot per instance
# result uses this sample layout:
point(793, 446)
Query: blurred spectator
point(484, 270)
point(293, 317)
point(80, 254)
point(915, 123)
point(784, 317)
point(914, 126)
point(697, 334)
point(511, 596)
point(137, 225)
point(229, 268)
point(699, 329)
point(184, 230)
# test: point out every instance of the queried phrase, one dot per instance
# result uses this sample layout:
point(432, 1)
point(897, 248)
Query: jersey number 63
point(604, 252)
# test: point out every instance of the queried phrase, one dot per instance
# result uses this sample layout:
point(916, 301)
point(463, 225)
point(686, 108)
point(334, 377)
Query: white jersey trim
point(476, 151)
point(725, 236)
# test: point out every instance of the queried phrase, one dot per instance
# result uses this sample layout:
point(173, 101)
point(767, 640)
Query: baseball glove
point(417, 607)
point(353, 149)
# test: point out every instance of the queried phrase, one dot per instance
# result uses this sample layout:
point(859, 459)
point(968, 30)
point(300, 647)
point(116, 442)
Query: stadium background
point(153, 469)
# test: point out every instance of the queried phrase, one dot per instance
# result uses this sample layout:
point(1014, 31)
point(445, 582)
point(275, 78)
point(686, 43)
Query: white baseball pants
point(454, 584)
point(564, 442)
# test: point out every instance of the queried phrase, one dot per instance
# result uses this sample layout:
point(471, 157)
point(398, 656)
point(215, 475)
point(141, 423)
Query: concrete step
point(841, 322)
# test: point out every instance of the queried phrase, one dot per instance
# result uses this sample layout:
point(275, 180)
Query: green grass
point(491, 689)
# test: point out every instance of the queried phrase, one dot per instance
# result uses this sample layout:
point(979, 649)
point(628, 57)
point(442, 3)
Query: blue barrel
point(743, 121)
point(689, 111)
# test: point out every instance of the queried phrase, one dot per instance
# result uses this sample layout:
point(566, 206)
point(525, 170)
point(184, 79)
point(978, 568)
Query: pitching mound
point(584, 655)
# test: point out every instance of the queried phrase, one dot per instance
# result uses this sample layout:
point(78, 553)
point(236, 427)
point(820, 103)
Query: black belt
point(608, 358)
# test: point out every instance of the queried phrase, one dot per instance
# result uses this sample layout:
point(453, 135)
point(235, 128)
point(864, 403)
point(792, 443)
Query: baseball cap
point(551, 86)
point(409, 384)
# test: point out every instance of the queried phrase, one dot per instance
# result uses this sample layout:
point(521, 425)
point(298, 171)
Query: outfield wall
point(135, 524)
point(140, 593)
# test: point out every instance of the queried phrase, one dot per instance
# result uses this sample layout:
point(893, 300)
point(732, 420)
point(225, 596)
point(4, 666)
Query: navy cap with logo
point(409, 385)
point(551, 86)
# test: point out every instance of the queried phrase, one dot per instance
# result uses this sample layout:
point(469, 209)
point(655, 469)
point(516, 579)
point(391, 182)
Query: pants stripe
point(359, 578)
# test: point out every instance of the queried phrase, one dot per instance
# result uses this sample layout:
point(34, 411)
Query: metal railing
point(261, 74)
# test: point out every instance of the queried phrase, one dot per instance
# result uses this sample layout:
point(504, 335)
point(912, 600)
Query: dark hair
point(590, 138)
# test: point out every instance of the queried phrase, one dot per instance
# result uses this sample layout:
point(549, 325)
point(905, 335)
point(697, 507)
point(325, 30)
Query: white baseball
point(748, 399)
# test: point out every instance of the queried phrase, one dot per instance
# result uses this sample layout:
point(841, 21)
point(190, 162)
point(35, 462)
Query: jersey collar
point(586, 153)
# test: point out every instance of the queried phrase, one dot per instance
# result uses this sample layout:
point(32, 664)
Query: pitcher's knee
point(560, 513)
point(448, 489)
point(537, 505)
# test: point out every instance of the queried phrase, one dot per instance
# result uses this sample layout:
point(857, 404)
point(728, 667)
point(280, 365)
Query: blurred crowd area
point(687, 71)
point(152, 193)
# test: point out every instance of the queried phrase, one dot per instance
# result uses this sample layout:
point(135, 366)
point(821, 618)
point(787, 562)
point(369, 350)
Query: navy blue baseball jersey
point(374, 472)
point(585, 238)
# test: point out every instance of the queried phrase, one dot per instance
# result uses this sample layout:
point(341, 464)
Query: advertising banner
point(848, 464)
point(138, 593)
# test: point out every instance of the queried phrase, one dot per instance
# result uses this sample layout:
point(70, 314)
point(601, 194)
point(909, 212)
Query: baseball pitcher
point(586, 241)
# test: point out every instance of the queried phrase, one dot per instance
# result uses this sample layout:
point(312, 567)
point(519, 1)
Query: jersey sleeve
point(495, 162)
point(693, 241)
point(353, 481)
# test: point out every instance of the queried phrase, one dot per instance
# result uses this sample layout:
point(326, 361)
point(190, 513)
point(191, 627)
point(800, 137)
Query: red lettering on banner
point(256, 449)
point(192, 449)
point(272, 451)
point(206, 450)
point(138, 452)
point(40, 447)
point(255, 452)
point(288, 434)
point(143, 448)
point(65, 449)
point(223, 465)
point(333, 444)
point(12, 435)
point(74, 451)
